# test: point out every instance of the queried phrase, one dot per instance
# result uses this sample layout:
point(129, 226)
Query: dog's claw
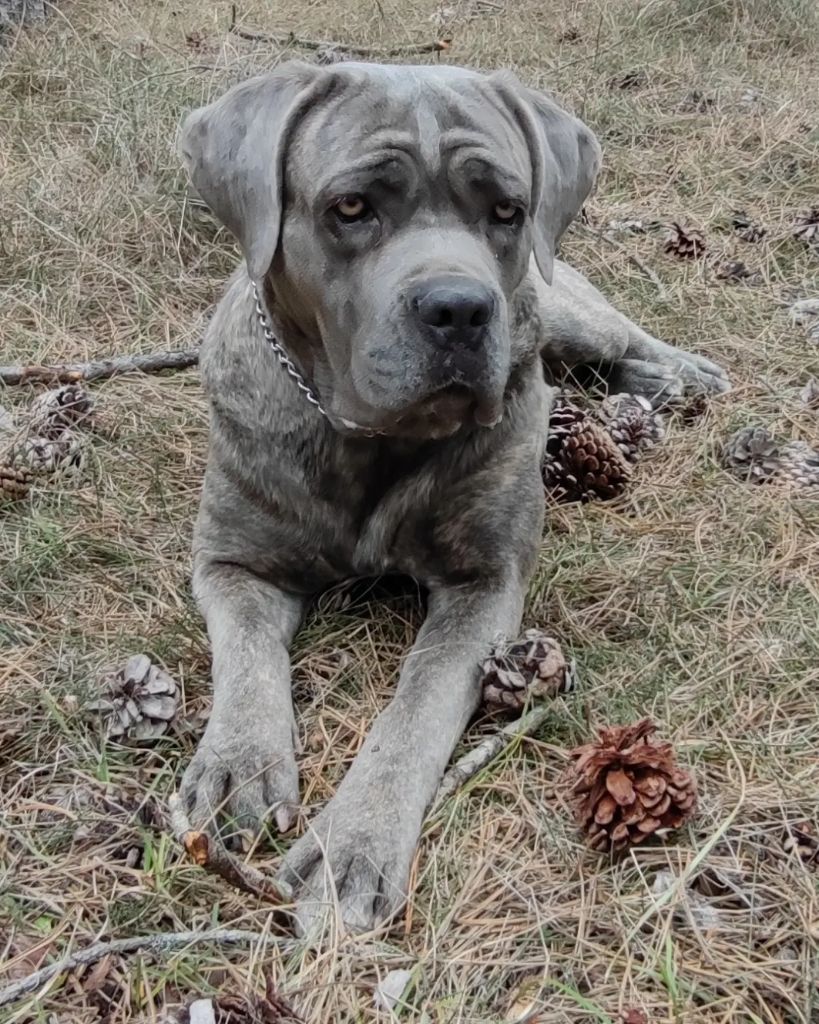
point(347, 876)
point(241, 778)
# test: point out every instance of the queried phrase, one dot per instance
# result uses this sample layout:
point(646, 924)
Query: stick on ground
point(289, 39)
point(479, 757)
point(69, 373)
point(118, 947)
point(210, 854)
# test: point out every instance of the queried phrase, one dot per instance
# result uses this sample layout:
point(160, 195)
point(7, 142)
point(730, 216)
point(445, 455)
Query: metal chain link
point(282, 355)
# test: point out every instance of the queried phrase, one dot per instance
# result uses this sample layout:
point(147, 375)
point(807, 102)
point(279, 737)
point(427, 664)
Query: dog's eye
point(351, 208)
point(505, 213)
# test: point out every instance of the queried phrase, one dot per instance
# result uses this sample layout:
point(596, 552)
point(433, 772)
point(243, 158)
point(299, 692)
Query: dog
point(379, 404)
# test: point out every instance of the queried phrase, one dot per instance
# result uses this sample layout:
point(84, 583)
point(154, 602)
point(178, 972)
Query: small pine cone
point(685, 243)
point(582, 461)
point(632, 423)
point(746, 229)
point(141, 700)
point(55, 411)
point(15, 483)
point(752, 454)
point(624, 788)
point(732, 270)
point(806, 226)
point(531, 667)
point(329, 54)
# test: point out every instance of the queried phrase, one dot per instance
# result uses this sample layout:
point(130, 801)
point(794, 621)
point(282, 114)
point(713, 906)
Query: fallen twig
point(113, 366)
point(290, 39)
point(210, 854)
point(479, 757)
point(118, 947)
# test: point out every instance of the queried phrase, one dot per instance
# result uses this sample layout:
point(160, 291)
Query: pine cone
point(582, 461)
point(799, 465)
point(53, 412)
point(632, 423)
point(685, 243)
point(806, 226)
point(746, 229)
point(732, 270)
point(624, 788)
point(64, 452)
point(15, 482)
point(752, 454)
point(271, 1008)
point(141, 703)
point(329, 54)
point(531, 667)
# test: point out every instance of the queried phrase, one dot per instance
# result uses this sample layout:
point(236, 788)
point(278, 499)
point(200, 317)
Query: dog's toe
point(351, 883)
point(243, 784)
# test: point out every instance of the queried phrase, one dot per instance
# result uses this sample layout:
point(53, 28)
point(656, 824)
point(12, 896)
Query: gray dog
point(379, 405)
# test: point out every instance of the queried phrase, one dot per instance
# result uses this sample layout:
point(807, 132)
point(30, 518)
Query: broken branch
point(119, 947)
point(113, 366)
point(290, 39)
point(479, 757)
point(210, 854)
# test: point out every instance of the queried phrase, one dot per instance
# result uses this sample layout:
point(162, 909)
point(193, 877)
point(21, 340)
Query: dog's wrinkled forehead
point(236, 149)
point(426, 113)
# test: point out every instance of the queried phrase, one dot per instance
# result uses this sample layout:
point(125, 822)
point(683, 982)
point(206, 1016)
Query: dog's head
point(393, 211)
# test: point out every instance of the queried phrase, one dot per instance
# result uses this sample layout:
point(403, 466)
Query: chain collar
point(281, 354)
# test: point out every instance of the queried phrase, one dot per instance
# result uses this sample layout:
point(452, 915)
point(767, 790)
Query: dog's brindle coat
point(401, 225)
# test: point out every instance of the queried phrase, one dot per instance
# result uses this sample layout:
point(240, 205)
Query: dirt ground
point(694, 600)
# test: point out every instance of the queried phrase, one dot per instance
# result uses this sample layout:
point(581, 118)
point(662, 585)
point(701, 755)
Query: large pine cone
point(632, 423)
point(15, 483)
point(141, 700)
point(55, 411)
point(685, 243)
point(624, 788)
point(582, 460)
point(529, 668)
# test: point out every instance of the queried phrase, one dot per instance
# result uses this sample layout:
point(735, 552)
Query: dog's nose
point(456, 308)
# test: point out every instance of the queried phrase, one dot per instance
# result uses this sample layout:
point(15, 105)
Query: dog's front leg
point(356, 857)
point(245, 767)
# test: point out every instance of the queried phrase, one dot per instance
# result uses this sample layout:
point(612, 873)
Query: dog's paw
point(240, 777)
point(346, 875)
point(670, 377)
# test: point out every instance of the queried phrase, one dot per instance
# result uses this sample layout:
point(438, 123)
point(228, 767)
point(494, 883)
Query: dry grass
point(696, 601)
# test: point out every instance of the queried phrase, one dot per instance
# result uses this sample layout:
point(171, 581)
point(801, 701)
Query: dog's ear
point(234, 151)
point(565, 157)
